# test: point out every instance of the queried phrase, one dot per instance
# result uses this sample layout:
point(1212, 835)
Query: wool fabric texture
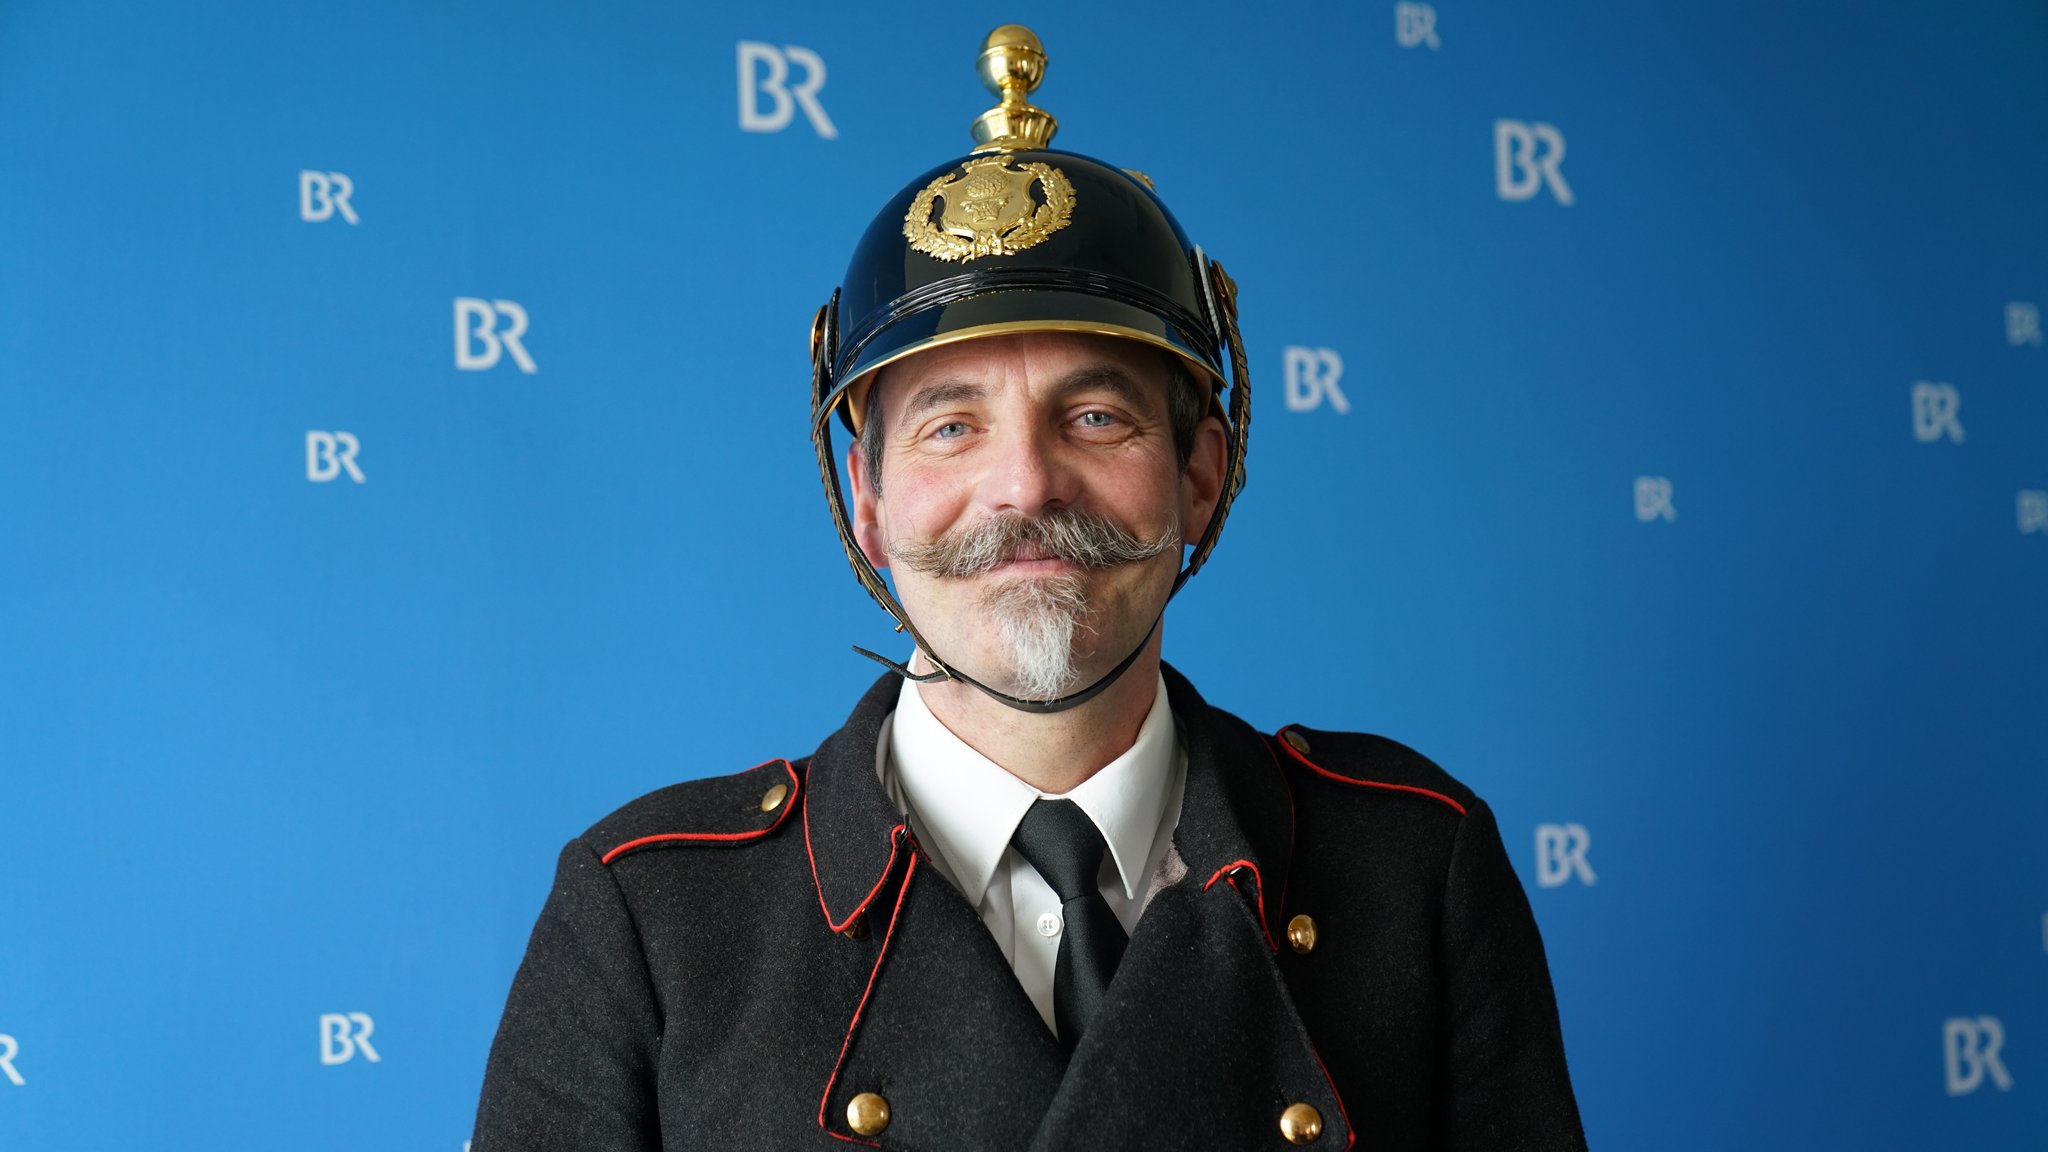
point(705, 975)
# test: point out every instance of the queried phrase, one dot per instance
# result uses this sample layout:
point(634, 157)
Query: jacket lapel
point(942, 1030)
point(853, 834)
point(1199, 1044)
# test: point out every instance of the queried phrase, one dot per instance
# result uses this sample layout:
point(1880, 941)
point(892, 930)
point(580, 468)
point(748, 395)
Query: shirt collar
point(970, 806)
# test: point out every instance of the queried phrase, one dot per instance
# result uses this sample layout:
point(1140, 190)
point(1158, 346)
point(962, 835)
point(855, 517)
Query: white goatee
point(1037, 619)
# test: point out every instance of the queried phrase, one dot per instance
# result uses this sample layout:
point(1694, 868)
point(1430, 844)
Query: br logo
point(1311, 376)
point(1415, 25)
point(1653, 499)
point(1561, 854)
point(345, 1034)
point(479, 341)
point(2022, 323)
point(784, 98)
point(1935, 406)
point(322, 194)
point(329, 454)
point(2033, 510)
point(9, 1049)
point(1969, 1052)
point(1526, 157)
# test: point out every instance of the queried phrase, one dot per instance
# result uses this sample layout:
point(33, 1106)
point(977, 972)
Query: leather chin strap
point(827, 395)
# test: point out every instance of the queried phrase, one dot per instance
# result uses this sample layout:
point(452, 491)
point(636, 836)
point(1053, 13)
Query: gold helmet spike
point(1012, 66)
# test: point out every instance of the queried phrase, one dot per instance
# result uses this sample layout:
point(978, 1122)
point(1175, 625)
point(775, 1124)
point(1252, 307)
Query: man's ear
point(865, 506)
point(1201, 483)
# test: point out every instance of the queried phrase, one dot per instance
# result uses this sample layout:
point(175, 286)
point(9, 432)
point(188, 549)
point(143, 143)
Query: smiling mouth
point(1027, 558)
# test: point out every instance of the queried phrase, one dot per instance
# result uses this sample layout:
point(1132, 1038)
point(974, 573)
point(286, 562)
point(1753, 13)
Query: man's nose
point(1028, 472)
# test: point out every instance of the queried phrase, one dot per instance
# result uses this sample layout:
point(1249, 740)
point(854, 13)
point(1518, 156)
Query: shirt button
point(1049, 924)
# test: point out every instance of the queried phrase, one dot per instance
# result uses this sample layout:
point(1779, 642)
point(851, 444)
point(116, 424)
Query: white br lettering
point(1311, 377)
point(1561, 853)
point(1415, 25)
point(1935, 407)
point(322, 194)
point(9, 1049)
point(476, 320)
point(345, 1034)
point(329, 454)
point(1969, 1051)
point(2022, 323)
point(1520, 170)
point(784, 98)
point(2033, 511)
point(1653, 499)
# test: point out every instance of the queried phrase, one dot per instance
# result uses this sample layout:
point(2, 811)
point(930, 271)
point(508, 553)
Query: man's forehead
point(1059, 359)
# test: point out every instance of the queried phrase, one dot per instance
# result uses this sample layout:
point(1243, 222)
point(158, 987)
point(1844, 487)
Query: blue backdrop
point(1652, 427)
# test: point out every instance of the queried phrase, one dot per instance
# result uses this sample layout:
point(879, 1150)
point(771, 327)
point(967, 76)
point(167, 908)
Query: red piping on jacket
point(1350, 1133)
point(1288, 877)
point(1226, 873)
point(1322, 771)
point(781, 814)
point(820, 886)
point(853, 1025)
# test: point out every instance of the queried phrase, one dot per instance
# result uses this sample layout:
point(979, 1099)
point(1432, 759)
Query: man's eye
point(952, 431)
point(1097, 420)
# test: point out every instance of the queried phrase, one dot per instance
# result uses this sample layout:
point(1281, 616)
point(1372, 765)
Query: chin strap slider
point(900, 670)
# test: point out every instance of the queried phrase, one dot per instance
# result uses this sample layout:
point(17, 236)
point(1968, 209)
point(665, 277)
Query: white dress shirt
point(964, 808)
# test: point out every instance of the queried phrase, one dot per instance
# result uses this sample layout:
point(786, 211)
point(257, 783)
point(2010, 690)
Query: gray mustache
point(1077, 537)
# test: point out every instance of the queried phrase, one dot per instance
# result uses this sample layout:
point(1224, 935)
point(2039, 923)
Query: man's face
point(1031, 504)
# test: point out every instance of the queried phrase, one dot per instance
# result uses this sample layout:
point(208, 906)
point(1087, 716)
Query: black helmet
point(1019, 237)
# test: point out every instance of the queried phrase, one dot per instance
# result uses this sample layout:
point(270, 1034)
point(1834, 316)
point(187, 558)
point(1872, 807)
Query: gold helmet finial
point(1012, 65)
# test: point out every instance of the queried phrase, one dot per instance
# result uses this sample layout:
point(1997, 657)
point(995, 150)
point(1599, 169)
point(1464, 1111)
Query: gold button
point(858, 930)
point(773, 797)
point(1301, 1124)
point(867, 1114)
point(1301, 932)
point(1297, 741)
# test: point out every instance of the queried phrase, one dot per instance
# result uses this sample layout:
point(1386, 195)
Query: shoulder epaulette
point(1363, 760)
point(721, 811)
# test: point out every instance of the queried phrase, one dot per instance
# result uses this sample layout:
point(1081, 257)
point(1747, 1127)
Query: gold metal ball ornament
point(1011, 58)
point(1012, 65)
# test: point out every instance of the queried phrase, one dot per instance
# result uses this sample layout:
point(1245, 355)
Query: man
point(1036, 893)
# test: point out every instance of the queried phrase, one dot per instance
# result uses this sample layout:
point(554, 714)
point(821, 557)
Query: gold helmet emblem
point(989, 209)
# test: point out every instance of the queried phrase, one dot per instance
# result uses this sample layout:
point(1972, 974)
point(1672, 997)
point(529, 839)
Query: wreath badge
point(989, 209)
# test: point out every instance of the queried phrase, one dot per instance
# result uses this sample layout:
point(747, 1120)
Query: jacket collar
point(851, 830)
point(1236, 823)
point(966, 807)
point(1237, 815)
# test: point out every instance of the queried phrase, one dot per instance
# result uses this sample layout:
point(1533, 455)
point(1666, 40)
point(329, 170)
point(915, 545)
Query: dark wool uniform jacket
point(710, 975)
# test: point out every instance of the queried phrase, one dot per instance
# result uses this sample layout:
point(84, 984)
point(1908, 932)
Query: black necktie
point(1059, 840)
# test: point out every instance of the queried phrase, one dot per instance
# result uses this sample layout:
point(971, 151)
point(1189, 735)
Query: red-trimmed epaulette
point(721, 811)
point(1366, 761)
